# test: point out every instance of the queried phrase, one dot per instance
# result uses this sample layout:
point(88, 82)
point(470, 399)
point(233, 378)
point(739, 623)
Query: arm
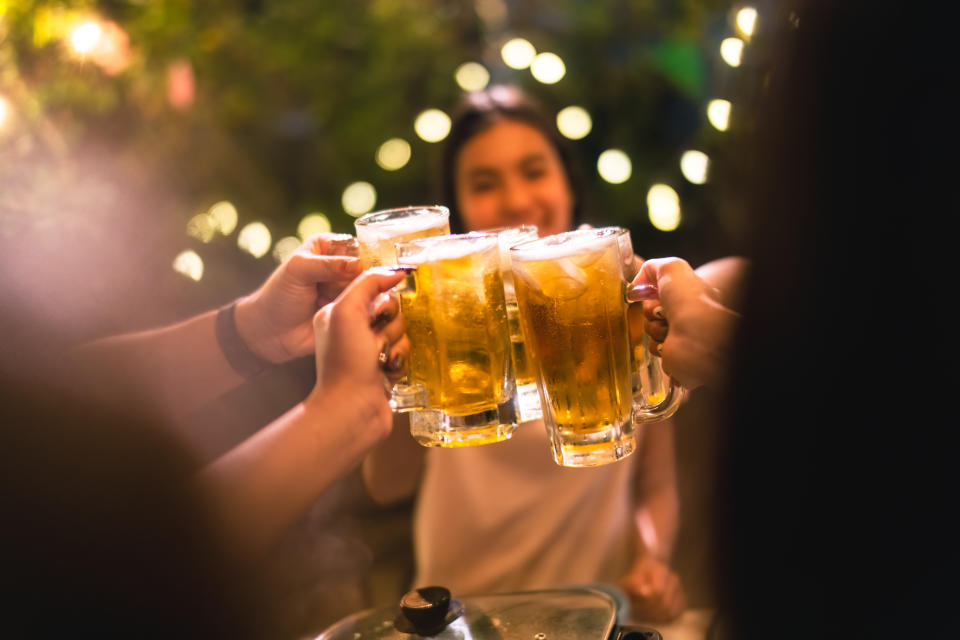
point(260, 487)
point(179, 368)
point(654, 589)
point(727, 276)
point(391, 471)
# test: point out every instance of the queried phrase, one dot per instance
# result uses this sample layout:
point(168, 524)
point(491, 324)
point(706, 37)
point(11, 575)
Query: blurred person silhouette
point(836, 466)
point(115, 528)
point(506, 517)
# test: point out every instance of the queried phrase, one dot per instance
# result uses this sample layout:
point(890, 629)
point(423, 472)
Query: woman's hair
point(478, 111)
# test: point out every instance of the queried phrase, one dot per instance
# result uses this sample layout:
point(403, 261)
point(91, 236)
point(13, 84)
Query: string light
point(285, 248)
point(4, 112)
point(747, 20)
point(359, 198)
point(614, 166)
point(432, 125)
point(663, 207)
point(472, 76)
point(574, 122)
point(694, 166)
point(224, 216)
point(518, 53)
point(189, 264)
point(393, 154)
point(202, 227)
point(85, 36)
point(255, 239)
point(312, 224)
point(731, 50)
point(548, 68)
point(718, 113)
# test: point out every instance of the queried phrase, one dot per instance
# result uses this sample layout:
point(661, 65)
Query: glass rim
point(556, 238)
point(383, 215)
point(425, 243)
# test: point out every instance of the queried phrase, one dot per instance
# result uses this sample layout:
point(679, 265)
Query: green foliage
point(293, 98)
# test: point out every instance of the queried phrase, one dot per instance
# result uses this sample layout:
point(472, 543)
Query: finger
point(361, 293)
point(396, 367)
point(657, 330)
point(331, 244)
point(311, 268)
point(394, 329)
point(385, 308)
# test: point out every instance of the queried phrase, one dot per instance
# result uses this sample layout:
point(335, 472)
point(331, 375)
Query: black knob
point(426, 609)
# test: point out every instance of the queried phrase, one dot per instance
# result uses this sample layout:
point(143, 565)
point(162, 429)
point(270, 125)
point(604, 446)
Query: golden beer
point(570, 294)
point(378, 233)
point(459, 340)
point(528, 397)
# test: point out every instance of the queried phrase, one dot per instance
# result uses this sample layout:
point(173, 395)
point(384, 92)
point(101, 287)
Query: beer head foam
point(375, 230)
point(449, 247)
point(563, 245)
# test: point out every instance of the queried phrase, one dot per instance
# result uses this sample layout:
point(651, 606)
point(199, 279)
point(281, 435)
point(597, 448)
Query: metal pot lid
point(559, 614)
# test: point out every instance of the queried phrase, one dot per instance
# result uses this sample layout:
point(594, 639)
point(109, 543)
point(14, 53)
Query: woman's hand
point(361, 346)
point(275, 321)
point(655, 592)
point(690, 329)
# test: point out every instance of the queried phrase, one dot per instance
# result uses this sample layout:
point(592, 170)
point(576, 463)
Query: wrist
point(235, 349)
point(250, 328)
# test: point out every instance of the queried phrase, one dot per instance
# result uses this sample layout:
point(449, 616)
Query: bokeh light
point(614, 166)
point(359, 198)
point(432, 125)
point(224, 216)
point(189, 264)
point(4, 111)
point(747, 20)
point(518, 53)
point(694, 165)
point(731, 50)
point(85, 36)
point(718, 113)
point(312, 224)
point(663, 207)
point(393, 154)
point(202, 227)
point(285, 247)
point(472, 76)
point(574, 122)
point(548, 68)
point(255, 239)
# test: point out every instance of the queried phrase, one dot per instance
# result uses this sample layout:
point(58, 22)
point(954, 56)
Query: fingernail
point(658, 312)
point(641, 292)
point(397, 362)
point(382, 318)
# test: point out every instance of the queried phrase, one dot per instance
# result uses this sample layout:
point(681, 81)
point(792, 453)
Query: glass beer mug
point(528, 397)
point(460, 388)
point(380, 231)
point(658, 398)
point(571, 295)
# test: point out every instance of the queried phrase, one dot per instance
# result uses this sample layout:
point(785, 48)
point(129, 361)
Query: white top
point(505, 517)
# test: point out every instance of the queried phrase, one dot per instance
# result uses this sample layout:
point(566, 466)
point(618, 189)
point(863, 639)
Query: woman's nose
point(517, 198)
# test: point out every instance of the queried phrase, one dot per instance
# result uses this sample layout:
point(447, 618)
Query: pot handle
point(634, 632)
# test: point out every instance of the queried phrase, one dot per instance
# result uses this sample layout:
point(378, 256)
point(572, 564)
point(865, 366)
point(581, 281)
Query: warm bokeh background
point(157, 158)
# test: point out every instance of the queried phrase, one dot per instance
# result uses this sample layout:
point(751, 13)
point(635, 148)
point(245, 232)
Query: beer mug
point(528, 397)
point(380, 231)
point(658, 396)
point(460, 382)
point(571, 295)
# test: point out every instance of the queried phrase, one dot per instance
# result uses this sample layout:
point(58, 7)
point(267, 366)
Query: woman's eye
point(481, 187)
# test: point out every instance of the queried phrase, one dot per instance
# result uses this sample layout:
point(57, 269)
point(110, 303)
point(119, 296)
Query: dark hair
point(476, 112)
point(822, 480)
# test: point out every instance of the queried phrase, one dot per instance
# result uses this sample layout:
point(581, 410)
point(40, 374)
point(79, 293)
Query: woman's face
point(510, 174)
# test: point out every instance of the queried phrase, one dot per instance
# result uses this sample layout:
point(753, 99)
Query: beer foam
point(449, 247)
point(549, 249)
point(376, 231)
